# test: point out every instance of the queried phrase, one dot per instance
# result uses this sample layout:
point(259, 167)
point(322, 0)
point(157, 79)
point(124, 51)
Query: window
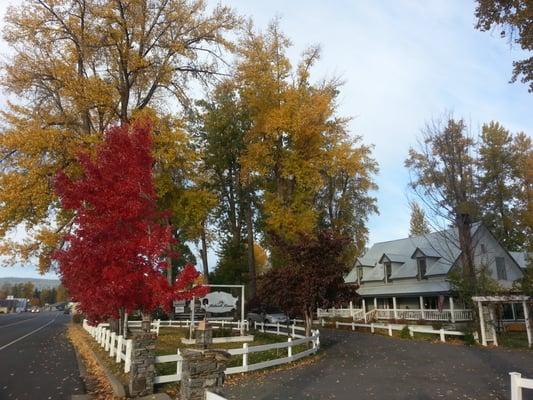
point(483, 249)
point(359, 273)
point(500, 268)
point(421, 263)
point(388, 271)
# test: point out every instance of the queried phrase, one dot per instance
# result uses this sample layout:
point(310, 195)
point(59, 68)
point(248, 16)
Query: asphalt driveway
point(364, 366)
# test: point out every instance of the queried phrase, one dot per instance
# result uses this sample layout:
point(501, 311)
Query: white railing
point(426, 314)
point(118, 347)
point(398, 327)
point(245, 351)
point(517, 384)
point(213, 396)
point(154, 325)
point(177, 358)
point(350, 312)
point(280, 329)
point(215, 324)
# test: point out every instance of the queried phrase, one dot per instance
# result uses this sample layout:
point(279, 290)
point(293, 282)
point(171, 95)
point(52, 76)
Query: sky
point(403, 63)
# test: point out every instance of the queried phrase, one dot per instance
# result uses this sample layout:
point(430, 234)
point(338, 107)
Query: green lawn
point(515, 340)
point(169, 341)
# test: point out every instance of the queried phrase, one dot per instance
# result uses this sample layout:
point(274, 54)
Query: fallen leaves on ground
point(96, 382)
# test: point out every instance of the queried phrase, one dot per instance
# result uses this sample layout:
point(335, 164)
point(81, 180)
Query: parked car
point(269, 315)
point(35, 310)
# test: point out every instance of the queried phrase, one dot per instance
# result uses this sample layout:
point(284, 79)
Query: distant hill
point(39, 283)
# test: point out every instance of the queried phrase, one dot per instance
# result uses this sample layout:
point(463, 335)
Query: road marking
point(18, 322)
point(27, 334)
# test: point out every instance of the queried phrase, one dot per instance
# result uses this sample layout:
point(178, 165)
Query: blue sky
point(403, 62)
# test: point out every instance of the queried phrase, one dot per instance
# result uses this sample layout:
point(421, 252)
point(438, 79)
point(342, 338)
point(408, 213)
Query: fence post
point(336, 324)
point(107, 338)
point(245, 356)
point(317, 332)
point(411, 333)
point(179, 365)
point(372, 327)
point(127, 363)
point(322, 322)
point(353, 326)
point(293, 330)
point(277, 328)
point(442, 338)
point(289, 348)
point(263, 326)
point(119, 349)
point(390, 329)
point(112, 345)
point(516, 390)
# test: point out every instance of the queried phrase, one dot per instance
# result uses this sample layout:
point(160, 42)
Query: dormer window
point(422, 266)
point(359, 273)
point(387, 270)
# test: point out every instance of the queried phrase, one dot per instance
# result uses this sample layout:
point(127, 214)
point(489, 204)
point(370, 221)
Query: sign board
point(179, 309)
point(218, 302)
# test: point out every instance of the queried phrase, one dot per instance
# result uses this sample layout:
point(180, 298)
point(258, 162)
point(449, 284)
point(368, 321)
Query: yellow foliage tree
point(79, 67)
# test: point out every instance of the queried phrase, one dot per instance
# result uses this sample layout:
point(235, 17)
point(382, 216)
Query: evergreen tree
point(418, 224)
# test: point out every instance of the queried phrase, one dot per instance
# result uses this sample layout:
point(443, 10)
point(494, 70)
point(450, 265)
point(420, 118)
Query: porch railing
point(400, 313)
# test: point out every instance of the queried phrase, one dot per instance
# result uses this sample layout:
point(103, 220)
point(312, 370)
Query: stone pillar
point(142, 373)
point(202, 370)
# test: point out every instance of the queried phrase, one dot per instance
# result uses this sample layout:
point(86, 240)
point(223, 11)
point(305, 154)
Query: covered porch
point(416, 308)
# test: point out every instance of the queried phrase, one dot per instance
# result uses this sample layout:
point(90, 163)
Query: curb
point(118, 387)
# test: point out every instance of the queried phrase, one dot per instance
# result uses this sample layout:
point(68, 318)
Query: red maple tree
point(115, 255)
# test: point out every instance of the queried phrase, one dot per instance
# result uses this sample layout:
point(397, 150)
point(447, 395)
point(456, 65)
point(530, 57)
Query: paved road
point(360, 366)
point(36, 360)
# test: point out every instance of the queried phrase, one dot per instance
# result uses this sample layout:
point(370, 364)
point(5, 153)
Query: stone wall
point(142, 371)
point(202, 370)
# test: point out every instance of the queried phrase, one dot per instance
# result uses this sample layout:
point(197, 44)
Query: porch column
point(482, 323)
point(375, 303)
point(363, 305)
point(513, 311)
point(422, 307)
point(493, 326)
point(351, 309)
point(528, 324)
point(452, 311)
point(394, 307)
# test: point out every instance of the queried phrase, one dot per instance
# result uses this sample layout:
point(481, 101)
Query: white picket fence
point(245, 350)
point(116, 345)
point(517, 384)
point(155, 325)
point(398, 327)
point(215, 324)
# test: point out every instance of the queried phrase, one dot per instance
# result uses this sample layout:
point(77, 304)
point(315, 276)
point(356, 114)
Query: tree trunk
point(146, 324)
point(203, 253)
point(251, 257)
point(125, 326)
point(308, 315)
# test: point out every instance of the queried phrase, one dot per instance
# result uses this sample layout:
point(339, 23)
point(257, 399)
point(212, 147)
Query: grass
point(513, 340)
point(169, 340)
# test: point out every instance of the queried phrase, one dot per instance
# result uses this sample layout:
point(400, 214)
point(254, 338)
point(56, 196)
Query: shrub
point(404, 333)
point(77, 318)
point(469, 338)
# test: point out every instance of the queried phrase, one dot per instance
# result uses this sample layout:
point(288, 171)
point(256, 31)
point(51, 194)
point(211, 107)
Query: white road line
point(27, 334)
point(18, 322)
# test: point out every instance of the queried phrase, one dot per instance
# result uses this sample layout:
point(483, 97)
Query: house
point(409, 279)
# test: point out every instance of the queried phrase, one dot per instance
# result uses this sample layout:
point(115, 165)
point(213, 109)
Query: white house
point(409, 278)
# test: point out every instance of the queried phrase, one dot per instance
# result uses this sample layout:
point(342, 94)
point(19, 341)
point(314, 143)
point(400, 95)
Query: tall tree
point(501, 184)
point(514, 19)
point(78, 67)
point(418, 225)
point(313, 275)
point(221, 125)
point(442, 174)
point(114, 258)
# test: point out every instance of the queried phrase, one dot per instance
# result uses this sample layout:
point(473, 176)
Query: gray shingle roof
point(521, 258)
point(443, 245)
